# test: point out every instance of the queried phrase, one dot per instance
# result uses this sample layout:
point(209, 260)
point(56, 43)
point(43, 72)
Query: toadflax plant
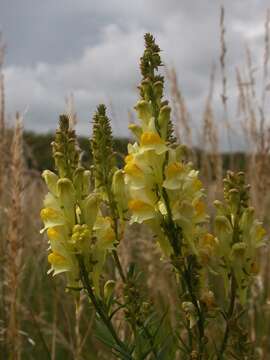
point(85, 214)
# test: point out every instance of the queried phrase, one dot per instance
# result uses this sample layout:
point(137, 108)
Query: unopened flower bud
point(80, 233)
point(239, 249)
point(146, 85)
point(163, 119)
point(108, 289)
point(90, 209)
point(158, 89)
point(66, 193)
point(119, 191)
point(60, 163)
point(222, 224)
point(51, 181)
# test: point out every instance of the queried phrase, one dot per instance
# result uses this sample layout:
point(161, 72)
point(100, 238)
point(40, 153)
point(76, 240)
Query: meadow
point(41, 319)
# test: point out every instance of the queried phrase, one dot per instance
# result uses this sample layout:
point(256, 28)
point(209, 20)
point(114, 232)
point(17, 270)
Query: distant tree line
point(37, 148)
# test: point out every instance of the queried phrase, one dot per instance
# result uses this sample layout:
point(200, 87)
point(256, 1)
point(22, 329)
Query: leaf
point(103, 334)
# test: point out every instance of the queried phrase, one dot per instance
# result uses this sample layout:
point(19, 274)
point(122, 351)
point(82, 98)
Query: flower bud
point(60, 163)
point(119, 191)
point(86, 182)
point(158, 89)
point(51, 181)
point(163, 119)
point(146, 86)
point(66, 193)
point(222, 224)
point(190, 312)
point(108, 289)
point(90, 209)
point(156, 59)
point(239, 250)
point(78, 181)
point(80, 234)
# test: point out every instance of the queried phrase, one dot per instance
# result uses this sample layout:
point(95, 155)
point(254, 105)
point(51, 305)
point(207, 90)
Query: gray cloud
point(92, 49)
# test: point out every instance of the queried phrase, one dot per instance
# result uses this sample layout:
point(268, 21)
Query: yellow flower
point(129, 158)
point(260, 233)
point(141, 211)
point(207, 246)
point(174, 169)
point(137, 205)
point(53, 233)
point(61, 262)
point(47, 214)
point(173, 173)
point(151, 140)
point(132, 169)
point(208, 240)
point(200, 208)
point(51, 217)
point(197, 184)
point(56, 259)
point(104, 232)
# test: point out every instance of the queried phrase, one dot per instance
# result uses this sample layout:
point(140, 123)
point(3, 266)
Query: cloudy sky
point(91, 48)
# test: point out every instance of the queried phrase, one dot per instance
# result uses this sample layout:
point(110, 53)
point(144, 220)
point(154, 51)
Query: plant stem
point(194, 301)
point(114, 216)
point(119, 266)
point(229, 317)
point(99, 309)
point(176, 243)
point(115, 225)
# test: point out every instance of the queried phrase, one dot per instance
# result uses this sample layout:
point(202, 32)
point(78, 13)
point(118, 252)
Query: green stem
point(228, 320)
point(99, 309)
point(115, 225)
point(117, 260)
point(200, 323)
point(176, 243)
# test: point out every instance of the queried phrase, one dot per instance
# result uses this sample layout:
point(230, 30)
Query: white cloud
point(104, 68)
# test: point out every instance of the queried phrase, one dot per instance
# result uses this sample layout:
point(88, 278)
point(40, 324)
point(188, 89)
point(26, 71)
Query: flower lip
point(49, 214)
point(57, 259)
point(138, 205)
point(132, 169)
point(174, 169)
point(151, 138)
point(53, 233)
point(128, 158)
